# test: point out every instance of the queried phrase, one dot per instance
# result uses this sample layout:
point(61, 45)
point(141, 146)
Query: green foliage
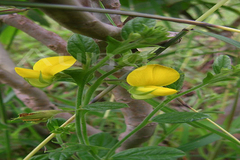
point(137, 33)
point(101, 143)
point(225, 39)
point(220, 63)
point(83, 48)
point(40, 157)
point(150, 153)
point(38, 16)
point(199, 142)
point(78, 75)
point(54, 124)
point(136, 26)
point(179, 117)
point(59, 155)
point(141, 36)
point(179, 83)
point(103, 106)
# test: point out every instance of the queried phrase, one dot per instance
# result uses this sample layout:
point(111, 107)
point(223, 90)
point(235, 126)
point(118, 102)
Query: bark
point(134, 115)
point(50, 39)
point(81, 22)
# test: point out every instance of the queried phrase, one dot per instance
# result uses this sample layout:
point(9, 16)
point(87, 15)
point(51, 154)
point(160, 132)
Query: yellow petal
point(29, 73)
point(53, 65)
point(152, 75)
point(157, 91)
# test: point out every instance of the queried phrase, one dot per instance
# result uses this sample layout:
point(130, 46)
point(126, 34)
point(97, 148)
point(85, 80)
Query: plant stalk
point(43, 143)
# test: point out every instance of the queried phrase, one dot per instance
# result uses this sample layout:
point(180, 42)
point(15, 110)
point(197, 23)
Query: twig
point(215, 124)
point(88, 9)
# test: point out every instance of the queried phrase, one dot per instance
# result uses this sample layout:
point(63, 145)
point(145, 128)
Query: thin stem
point(84, 127)
point(209, 12)
point(43, 143)
point(100, 64)
point(231, 116)
point(78, 124)
point(169, 43)
point(185, 31)
point(108, 89)
point(145, 121)
point(96, 84)
point(222, 129)
point(3, 116)
point(111, 11)
point(229, 122)
point(141, 125)
point(107, 15)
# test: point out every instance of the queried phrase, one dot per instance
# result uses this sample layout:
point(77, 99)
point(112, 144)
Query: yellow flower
point(148, 81)
point(44, 70)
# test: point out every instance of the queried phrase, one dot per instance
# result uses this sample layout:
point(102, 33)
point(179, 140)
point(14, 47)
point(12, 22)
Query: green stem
point(98, 82)
point(100, 64)
point(78, 124)
point(146, 120)
point(43, 143)
point(59, 140)
point(214, 153)
point(209, 12)
point(107, 15)
point(84, 127)
point(231, 116)
point(88, 96)
point(108, 89)
point(3, 116)
point(218, 145)
point(173, 128)
point(141, 125)
point(169, 43)
point(215, 124)
point(185, 31)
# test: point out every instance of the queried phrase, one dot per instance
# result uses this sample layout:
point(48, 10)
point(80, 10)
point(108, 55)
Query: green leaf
point(103, 140)
point(222, 61)
point(59, 155)
point(112, 45)
point(38, 16)
point(3, 126)
point(136, 25)
point(149, 153)
point(7, 35)
point(102, 106)
point(225, 39)
point(40, 157)
point(179, 83)
point(202, 141)
point(76, 148)
point(83, 48)
point(78, 75)
point(55, 123)
point(179, 117)
point(195, 124)
point(209, 77)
